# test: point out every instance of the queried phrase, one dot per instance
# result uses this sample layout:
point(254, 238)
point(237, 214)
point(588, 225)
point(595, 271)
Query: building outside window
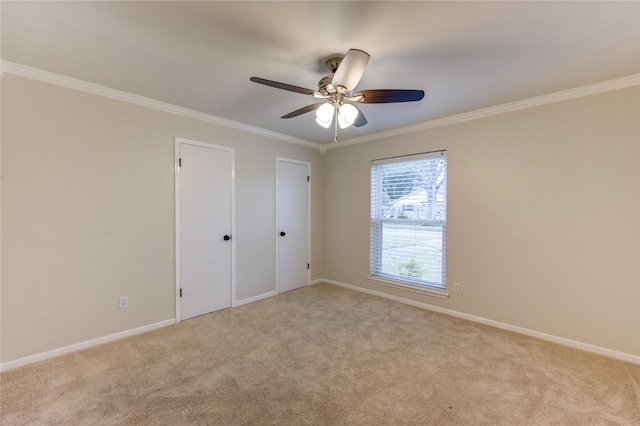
point(408, 220)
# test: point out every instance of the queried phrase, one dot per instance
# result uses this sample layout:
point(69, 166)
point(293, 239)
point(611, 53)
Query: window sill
point(440, 294)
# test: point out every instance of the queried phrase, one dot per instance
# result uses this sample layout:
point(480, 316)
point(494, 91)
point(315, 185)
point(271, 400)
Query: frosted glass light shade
point(324, 115)
point(347, 114)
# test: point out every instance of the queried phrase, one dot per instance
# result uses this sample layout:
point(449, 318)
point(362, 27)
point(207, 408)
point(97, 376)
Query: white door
point(292, 214)
point(204, 228)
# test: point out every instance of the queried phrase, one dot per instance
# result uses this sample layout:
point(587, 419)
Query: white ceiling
point(200, 55)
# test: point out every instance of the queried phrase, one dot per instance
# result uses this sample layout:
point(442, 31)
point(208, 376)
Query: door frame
point(177, 143)
point(304, 163)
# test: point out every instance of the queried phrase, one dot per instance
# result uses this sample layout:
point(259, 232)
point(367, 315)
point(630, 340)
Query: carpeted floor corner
point(324, 355)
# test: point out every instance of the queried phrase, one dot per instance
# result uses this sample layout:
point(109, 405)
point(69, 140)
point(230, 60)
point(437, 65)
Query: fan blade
point(351, 68)
point(360, 119)
point(389, 96)
point(303, 110)
point(283, 86)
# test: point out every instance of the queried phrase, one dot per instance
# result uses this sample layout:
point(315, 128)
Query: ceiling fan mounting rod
point(333, 63)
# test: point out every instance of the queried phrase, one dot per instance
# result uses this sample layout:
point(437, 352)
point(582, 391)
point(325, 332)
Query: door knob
point(226, 238)
point(282, 234)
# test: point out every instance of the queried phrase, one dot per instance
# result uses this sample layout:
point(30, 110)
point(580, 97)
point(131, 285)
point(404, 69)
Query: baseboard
point(83, 345)
point(504, 326)
point(254, 298)
point(543, 336)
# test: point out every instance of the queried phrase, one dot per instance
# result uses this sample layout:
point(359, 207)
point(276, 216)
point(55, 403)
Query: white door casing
point(292, 224)
point(204, 216)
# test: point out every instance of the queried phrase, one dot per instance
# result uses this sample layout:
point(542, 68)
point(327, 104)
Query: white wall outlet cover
point(123, 302)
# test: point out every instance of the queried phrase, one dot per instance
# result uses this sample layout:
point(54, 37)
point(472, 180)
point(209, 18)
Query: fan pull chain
point(335, 125)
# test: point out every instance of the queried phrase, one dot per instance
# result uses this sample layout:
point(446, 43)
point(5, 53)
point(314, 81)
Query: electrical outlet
point(456, 287)
point(123, 302)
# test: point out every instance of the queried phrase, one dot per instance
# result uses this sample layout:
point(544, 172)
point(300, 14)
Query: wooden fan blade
point(361, 120)
point(283, 86)
point(351, 68)
point(303, 110)
point(389, 96)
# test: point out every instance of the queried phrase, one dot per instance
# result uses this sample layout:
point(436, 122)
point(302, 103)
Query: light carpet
point(324, 355)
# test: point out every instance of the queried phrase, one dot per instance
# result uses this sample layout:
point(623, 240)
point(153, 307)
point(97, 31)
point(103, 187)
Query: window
point(408, 220)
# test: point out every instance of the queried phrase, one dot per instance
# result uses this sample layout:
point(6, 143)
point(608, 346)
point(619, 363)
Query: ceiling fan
point(337, 91)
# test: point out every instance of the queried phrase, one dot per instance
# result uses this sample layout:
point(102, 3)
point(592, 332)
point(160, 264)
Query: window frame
point(377, 221)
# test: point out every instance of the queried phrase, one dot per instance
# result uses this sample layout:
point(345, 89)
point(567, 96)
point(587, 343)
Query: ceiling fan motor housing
point(324, 85)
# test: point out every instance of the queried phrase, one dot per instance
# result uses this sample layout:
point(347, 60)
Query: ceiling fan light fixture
point(338, 92)
point(324, 115)
point(347, 115)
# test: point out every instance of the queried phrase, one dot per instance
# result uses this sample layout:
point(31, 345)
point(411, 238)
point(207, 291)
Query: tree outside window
point(408, 219)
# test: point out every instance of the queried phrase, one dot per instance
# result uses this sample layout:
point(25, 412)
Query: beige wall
point(543, 217)
point(88, 214)
point(543, 228)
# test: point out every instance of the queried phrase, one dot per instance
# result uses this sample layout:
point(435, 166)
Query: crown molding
point(95, 89)
point(592, 89)
point(72, 83)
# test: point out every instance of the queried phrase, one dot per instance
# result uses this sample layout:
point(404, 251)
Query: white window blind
point(408, 219)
